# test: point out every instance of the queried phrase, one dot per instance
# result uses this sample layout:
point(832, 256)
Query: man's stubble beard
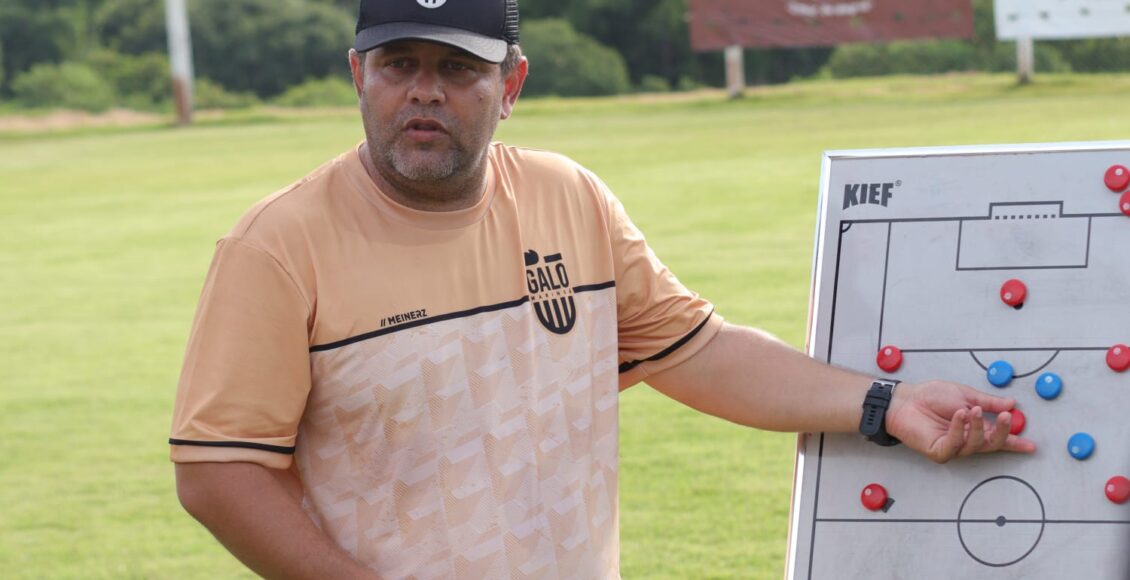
point(405, 161)
point(435, 177)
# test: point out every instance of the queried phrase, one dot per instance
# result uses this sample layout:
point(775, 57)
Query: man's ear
point(358, 69)
point(512, 86)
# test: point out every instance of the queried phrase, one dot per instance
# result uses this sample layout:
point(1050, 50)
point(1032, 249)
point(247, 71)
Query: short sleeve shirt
point(444, 384)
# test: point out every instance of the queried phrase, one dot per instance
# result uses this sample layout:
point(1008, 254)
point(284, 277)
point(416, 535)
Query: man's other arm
point(748, 377)
point(256, 513)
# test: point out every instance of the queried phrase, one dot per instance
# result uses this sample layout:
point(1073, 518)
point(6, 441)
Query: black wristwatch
point(873, 424)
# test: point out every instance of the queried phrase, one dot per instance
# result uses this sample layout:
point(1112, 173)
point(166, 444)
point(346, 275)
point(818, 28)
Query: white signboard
point(1062, 19)
point(917, 251)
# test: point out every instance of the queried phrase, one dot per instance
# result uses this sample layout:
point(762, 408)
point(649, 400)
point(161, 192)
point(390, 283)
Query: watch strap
point(873, 423)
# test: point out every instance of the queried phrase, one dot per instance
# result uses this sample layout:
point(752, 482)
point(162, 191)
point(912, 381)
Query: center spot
point(1001, 521)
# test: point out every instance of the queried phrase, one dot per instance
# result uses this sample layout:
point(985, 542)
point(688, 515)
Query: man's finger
point(992, 404)
point(999, 432)
point(1018, 444)
point(976, 437)
point(951, 444)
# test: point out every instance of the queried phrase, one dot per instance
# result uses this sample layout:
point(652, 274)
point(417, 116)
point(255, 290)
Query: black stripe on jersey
point(448, 316)
point(627, 366)
point(594, 287)
point(241, 444)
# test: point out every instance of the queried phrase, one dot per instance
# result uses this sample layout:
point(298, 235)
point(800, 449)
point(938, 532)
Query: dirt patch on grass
point(66, 120)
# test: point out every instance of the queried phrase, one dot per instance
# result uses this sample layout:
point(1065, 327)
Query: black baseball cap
point(483, 28)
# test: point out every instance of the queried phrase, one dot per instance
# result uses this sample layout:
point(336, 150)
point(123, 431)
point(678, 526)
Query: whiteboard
point(912, 250)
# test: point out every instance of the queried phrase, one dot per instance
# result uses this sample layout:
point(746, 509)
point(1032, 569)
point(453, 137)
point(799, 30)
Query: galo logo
point(548, 284)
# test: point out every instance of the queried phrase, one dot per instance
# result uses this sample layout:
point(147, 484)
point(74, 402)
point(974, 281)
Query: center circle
point(1001, 521)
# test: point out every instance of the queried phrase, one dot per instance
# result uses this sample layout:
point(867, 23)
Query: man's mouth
point(424, 126)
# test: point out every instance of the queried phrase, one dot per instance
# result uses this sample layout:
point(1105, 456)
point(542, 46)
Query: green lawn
point(107, 236)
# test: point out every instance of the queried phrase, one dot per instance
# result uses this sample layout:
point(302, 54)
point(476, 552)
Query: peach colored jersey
point(444, 385)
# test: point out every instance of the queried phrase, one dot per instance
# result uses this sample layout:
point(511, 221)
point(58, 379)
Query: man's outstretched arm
point(256, 514)
point(748, 377)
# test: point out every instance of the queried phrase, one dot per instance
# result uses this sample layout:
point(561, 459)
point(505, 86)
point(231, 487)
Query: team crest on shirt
point(548, 284)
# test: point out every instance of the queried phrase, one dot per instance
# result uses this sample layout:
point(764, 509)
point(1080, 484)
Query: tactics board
point(975, 263)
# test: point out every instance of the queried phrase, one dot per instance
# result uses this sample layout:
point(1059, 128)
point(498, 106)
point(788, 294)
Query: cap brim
point(484, 47)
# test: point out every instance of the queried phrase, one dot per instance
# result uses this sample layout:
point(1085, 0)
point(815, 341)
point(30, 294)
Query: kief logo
point(548, 283)
point(431, 3)
point(874, 193)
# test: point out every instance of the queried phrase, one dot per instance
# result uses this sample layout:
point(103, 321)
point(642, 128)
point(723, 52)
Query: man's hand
point(943, 420)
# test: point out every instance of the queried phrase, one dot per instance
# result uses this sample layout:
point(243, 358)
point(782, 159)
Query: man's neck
point(452, 194)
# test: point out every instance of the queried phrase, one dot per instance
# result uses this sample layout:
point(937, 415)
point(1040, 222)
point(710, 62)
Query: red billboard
point(716, 24)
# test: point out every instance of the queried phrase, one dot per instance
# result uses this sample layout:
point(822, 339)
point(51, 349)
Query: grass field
point(107, 236)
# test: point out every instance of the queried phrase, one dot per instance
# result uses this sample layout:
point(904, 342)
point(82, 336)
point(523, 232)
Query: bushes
point(327, 92)
point(69, 85)
point(653, 84)
point(905, 57)
point(143, 82)
point(1047, 56)
point(1096, 54)
point(935, 56)
point(565, 62)
point(210, 95)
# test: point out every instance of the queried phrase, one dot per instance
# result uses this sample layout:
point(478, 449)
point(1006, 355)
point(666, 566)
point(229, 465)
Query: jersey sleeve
point(246, 371)
point(661, 323)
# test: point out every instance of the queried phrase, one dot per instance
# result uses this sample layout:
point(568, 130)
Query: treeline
point(93, 54)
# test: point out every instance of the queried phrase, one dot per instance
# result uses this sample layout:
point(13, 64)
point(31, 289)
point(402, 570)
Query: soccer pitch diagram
point(1006, 268)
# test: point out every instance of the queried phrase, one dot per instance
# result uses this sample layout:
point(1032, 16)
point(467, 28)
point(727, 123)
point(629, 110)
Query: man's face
point(429, 110)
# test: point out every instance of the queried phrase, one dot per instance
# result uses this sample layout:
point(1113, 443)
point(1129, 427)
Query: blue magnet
point(1049, 385)
point(1000, 373)
point(1081, 446)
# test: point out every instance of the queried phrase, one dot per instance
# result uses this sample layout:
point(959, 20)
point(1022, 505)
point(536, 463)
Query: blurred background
point(94, 55)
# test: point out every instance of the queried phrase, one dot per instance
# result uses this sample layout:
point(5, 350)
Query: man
point(407, 363)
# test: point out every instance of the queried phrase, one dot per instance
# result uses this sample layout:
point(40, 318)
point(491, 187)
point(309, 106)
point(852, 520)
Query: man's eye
point(457, 66)
point(399, 63)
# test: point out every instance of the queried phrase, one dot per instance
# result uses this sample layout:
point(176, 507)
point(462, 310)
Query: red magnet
point(874, 498)
point(1013, 293)
point(1124, 203)
point(1018, 422)
point(1118, 489)
point(889, 358)
point(1118, 357)
point(1117, 178)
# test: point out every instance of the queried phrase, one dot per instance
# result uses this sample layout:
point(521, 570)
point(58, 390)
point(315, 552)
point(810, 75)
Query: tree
point(567, 63)
point(261, 46)
point(30, 35)
point(652, 35)
point(131, 26)
point(347, 6)
point(265, 46)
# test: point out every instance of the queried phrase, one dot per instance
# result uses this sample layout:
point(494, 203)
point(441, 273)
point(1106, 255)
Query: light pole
point(180, 58)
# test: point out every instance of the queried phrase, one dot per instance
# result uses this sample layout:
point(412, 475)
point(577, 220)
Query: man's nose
point(427, 87)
